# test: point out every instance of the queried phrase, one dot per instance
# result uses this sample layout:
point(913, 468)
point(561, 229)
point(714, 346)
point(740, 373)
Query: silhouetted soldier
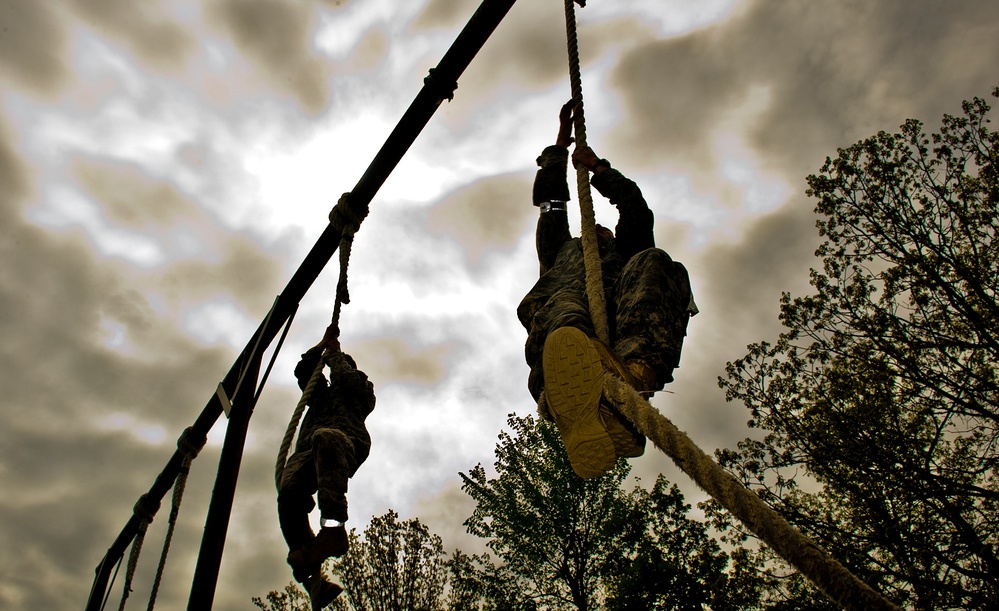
point(648, 299)
point(332, 444)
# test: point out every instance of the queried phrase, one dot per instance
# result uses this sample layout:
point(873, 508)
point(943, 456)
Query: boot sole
point(574, 378)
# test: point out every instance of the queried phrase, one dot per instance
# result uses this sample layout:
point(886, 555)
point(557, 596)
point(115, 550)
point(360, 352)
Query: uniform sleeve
point(550, 185)
point(634, 232)
point(307, 365)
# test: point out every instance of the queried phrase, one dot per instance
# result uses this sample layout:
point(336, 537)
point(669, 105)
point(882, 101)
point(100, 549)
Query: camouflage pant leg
point(298, 484)
point(652, 294)
point(334, 455)
point(568, 307)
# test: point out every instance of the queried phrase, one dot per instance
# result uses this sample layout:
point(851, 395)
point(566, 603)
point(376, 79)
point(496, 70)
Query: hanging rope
point(189, 448)
point(588, 231)
point(145, 511)
point(344, 218)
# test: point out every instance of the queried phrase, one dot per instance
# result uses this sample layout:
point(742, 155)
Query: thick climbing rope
point(588, 231)
point(824, 571)
point(344, 218)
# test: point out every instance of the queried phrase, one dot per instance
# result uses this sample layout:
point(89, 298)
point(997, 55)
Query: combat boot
point(628, 442)
point(308, 559)
point(322, 593)
point(574, 377)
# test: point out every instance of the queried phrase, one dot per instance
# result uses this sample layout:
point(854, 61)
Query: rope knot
point(443, 90)
point(190, 446)
point(145, 509)
point(345, 219)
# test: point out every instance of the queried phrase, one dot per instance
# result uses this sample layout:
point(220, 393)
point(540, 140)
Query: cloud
point(129, 195)
point(485, 216)
point(394, 360)
point(277, 36)
point(830, 76)
point(443, 14)
point(146, 30)
point(32, 44)
point(35, 45)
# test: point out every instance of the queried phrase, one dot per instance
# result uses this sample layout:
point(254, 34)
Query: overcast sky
point(166, 165)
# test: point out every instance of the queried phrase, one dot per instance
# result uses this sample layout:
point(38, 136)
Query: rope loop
point(189, 446)
point(345, 219)
point(145, 509)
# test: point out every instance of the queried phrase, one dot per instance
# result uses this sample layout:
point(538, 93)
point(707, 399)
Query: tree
point(879, 400)
point(292, 598)
point(395, 566)
point(564, 542)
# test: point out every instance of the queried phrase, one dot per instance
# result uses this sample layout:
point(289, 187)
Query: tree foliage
point(292, 598)
point(563, 542)
point(879, 400)
point(396, 565)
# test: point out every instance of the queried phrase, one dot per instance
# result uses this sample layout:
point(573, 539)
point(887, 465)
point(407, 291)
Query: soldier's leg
point(566, 308)
point(298, 484)
point(295, 502)
point(652, 295)
point(334, 454)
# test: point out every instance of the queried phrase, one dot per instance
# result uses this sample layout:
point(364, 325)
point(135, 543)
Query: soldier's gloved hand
point(584, 155)
point(565, 117)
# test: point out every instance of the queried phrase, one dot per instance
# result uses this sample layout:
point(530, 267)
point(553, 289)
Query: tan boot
point(628, 442)
point(574, 378)
point(644, 377)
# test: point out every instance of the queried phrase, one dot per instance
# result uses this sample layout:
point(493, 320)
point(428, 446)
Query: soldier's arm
point(551, 192)
point(634, 230)
point(307, 365)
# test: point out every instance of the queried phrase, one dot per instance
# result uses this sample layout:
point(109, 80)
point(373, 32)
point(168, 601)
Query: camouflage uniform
point(647, 293)
point(332, 444)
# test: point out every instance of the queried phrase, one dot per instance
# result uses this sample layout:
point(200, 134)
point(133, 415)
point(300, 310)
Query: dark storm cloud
point(277, 36)
point(243, 270)
point(402, 360)
point(527, 48)
point(146, 30)
point(34, 37)
point(32, 44)
point(444, 14)
point(833, 73)
point(129, 195)
point(764, 262)
point(485, 216)
point(97, 381)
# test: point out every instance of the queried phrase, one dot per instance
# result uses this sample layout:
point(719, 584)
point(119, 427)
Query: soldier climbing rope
point(825, 572)
point(333, 441)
